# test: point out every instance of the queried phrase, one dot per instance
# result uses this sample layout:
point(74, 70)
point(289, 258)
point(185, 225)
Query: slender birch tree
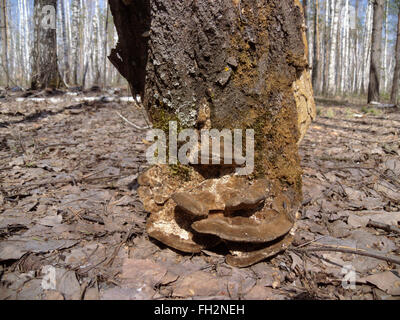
point(365, 67)
point(336, 5)
point(75, 40)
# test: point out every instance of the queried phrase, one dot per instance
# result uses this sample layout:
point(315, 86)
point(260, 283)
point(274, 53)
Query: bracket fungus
point(252, 217)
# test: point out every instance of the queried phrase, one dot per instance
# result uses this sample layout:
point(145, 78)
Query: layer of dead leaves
point(72, 226)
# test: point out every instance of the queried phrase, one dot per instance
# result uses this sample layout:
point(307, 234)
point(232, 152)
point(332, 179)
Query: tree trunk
point(376, 52)
point(229, 65)
point(4, 43)
point(336, 5)
point(105, 47)
point(75, 44)
point(305, 12)
point(45, 73)
point(327, 43)
point(355, 52)
point(345, 45)
point(96, 43)
point(316, 73)
point(367, 48)
point(395, 86)
point(385, 73)
point(65, 43)
point(23, 39)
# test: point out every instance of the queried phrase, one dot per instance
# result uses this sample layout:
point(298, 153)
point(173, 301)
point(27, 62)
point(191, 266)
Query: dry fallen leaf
point(388, 281)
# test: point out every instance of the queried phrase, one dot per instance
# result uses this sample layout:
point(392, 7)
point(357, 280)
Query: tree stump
point(224, 64)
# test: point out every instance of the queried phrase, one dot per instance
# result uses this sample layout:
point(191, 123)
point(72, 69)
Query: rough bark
point(45, 73)
point(4, 44)
point(376, 52)
point(395, 86)
point(227, 65)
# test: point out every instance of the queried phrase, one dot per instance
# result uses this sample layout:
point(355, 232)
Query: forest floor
point(72, 226)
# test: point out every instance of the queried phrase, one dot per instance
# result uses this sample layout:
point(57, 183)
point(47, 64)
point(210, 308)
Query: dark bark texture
point(239, 57)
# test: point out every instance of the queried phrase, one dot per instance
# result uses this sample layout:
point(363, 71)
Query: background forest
point(339, 34)
point(85, 34)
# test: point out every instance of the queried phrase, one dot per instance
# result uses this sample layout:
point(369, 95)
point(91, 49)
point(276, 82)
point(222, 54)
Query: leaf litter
point(72, 226)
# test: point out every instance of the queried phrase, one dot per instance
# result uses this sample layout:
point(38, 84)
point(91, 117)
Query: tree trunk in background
point(305, 12)
point(376, 52)
point(230, 65)
point(327, 43)
point(336, 5)
point(23, 37)
point(105, 47)
point(385, 64)
point(395, 86)
point(45, 73)
point(344, 47)
point(96, 43)
point(355, 55)
point(65, 43)
point(305, 5)
point(315, 72)
point(4, 40)
point(75, 44)
point(365, 67)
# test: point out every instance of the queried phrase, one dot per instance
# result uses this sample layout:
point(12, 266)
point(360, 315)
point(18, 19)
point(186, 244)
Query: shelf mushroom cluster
point(253, 218)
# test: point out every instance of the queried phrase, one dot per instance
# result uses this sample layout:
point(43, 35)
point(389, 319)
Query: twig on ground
point(62, 144)
point(142, 110)
point(367, 140)
point(71, 180)
point(115, 253)
point(309, 242)
point(92, 219)
point(383, 226)
point(361, 252)
point(131, 123)
point(87, 269)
